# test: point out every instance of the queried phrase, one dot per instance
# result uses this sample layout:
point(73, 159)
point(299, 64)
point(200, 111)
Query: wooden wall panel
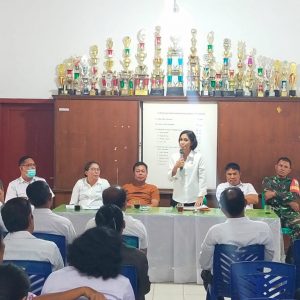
point(254, 134)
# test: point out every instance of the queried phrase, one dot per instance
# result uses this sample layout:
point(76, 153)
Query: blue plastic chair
point(130, 272)
point(131, 241)
point(262, 279)
point(59, 240)
point(224, 256)
point(37, 271)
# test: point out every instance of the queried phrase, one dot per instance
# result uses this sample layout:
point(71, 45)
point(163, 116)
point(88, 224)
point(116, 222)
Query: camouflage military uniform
point(289, 218)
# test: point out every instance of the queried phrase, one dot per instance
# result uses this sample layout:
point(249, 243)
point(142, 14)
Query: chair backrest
point(59, 240)
point(131, 241)
point(224, 256)
point(130, 272)
point(37, 271)
point(296, 255)
point(262, 279)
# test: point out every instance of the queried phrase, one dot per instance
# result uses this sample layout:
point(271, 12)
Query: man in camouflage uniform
point(282, 193)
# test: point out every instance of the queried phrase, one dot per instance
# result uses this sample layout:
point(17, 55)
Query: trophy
point(211, 63)
point(141, 78)
point(277, 70)
point(219, 81)
point(226, 92)
point(231, 82)
point(109, 86)
point(292, 79)
point(61, 71)
point(69, 75)
point(94, 70)
point(76, 78)
point(193, 76)
point(269, 78)
point(249, 76)
point(175, 69)
point(126, 76)
point(284, 78)
point(239, 92)
point(260, 77)
point(157, 76)
point(84, 66)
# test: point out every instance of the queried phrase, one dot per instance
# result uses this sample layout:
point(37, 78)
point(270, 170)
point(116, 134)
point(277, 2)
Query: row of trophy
point(254, 76)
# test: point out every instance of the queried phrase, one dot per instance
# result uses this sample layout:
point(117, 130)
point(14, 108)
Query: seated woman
point(88, 191)
point(95, 261)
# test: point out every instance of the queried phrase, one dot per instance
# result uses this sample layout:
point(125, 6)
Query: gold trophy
point(277, 77)
point(61, 72)
point(239, 92)
point(292, 79)
point(211, 64)
point(109, 86)
point(226, 91)
point(218, 80)
point(175, 69)
point(231, 82)
point(84, 66)
point(284, 78)
point(193, 76)
point(69, 75)
point(157, 77)
point(126, 76)
point(76, 73)
point(141, 78)
point(260, 77)
point(269, 78)
point(249, 76)
point(94, 70)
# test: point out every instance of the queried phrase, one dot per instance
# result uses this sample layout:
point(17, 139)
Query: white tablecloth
point(175, 239)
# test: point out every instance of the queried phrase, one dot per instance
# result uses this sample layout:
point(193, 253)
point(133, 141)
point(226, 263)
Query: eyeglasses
point(94, 169)
point(29, 165)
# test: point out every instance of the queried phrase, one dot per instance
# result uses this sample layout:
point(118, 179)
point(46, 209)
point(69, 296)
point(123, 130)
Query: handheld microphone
point(181, 156)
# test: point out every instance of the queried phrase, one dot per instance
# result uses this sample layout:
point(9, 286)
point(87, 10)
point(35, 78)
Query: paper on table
point(202, 207)
point(90, 206)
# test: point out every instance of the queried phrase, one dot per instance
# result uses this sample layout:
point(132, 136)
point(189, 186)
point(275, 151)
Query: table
point(175, 238)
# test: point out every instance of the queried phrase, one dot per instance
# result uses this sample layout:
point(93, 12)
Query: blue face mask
point(31, 173)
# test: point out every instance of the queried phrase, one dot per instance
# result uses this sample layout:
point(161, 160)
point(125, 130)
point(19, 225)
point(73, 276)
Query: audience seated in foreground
point(95, 261)
point(112, 217)
point(117, 196)
point(45, 220)
point(20, 244)
point(237, 230)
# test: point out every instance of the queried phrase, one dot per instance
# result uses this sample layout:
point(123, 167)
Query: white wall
point(37, 35)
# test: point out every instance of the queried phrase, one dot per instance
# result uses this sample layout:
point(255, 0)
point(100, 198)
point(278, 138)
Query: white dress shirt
point(118, 288)
point(22, 245)
point(132, 227)
point(47, 221)
point(85, 194)
point(17, 187)
point(190, 181)
point(236, 231)
point(246, 188)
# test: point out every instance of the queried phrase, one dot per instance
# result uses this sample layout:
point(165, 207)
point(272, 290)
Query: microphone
point(181, 156)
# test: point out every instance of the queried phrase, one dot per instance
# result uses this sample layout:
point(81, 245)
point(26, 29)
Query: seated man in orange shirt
point(139, 191)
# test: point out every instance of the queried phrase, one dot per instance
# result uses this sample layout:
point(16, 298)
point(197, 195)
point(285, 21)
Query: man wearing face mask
point(17, 187)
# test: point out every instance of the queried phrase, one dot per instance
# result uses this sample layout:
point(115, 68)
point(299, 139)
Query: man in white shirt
point(117, 196)
point(17, 187)
point(20, 244)
point(233, 177)
point(45, 220)
point(237, 230)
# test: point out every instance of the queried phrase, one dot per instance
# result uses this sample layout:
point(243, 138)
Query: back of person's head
point(97, 253)
point(139, 163)
point(15, 214)
point(114, 195)
point(233, 166)
point(23, 159)
point(232, 201)
point(14, 283)
point(110, 216)
point(38, 193)
point(286, 159)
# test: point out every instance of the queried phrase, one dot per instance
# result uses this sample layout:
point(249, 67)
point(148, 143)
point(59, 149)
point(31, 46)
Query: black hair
point(14, 283)
point(15, 214)
point(232, 200)
point(114, 195)
point(22, 159)
point(110, 216)
point(284, 158)
point(88, 165)
point(97, 253)
point(139, 163)
point(192, 137)
point(233, 166)
point(38, 193)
